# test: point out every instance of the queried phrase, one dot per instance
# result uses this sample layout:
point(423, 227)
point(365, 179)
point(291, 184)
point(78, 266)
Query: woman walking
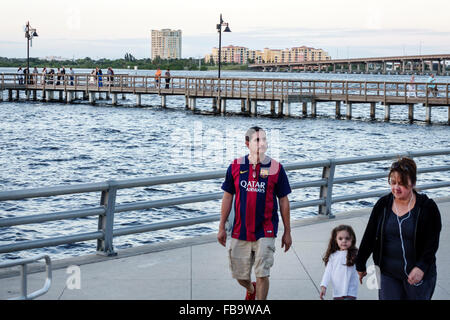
point(403, 236)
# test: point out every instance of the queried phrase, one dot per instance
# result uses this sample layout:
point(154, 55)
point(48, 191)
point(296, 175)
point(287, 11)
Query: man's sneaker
point(251, 296)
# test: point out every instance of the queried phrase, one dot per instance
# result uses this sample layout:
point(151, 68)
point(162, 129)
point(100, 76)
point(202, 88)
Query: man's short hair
point(252, 131)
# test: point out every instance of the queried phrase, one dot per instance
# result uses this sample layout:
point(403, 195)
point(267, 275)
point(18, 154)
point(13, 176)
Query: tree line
point(128, 62)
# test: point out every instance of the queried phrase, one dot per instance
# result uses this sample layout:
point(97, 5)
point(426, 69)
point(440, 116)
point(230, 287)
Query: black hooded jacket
point(426, 236)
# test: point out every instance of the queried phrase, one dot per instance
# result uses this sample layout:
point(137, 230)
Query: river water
point(48, 144)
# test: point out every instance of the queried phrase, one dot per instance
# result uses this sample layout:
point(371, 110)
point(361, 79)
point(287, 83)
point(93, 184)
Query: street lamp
point(30, 33)
point(219, 29)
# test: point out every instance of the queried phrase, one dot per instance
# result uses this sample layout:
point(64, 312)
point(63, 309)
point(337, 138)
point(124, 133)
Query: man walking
point(256, 181)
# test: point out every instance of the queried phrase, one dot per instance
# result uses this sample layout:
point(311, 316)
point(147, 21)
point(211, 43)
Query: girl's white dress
point(344, 279)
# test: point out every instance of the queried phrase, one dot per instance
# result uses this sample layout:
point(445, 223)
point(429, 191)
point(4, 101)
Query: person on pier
point(432, 85)
point(403, 236)
point(158, 77)
point(257, 182)
point(20, 75)
point(411, 87)
point(167, 78)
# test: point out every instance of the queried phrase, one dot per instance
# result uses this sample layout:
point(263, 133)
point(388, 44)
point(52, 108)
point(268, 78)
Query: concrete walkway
point(197, 269)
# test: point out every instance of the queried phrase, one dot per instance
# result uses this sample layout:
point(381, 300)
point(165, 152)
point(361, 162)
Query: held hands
point(415, 276)
point(361, 276)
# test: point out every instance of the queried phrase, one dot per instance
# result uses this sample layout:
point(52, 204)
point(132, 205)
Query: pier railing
point(109, 207)
point(237, 88)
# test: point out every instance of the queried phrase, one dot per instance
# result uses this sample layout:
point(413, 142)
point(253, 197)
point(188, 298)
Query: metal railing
point(23, 263)
point(238, 88)
point(108, 206)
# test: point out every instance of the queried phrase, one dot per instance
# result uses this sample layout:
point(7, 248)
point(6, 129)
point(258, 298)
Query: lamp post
point(30, 33)
point(219, 29)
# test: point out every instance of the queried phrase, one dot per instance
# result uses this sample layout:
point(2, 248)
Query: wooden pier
point(282, 93)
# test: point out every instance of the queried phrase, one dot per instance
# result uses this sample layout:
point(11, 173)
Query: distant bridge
point(420, 64)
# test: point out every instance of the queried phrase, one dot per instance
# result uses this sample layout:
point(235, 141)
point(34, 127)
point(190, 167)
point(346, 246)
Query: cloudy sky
point(110, 28)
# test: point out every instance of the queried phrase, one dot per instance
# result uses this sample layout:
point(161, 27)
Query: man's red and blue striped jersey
point(256, 192)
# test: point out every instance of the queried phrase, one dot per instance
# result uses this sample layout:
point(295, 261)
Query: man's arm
point(227, 202)
point(286, 240)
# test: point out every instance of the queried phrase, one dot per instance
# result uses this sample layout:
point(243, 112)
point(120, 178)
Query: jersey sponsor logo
point(242, 172)
point(254, 186)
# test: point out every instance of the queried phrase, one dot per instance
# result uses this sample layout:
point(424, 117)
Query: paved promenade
point(197, 269)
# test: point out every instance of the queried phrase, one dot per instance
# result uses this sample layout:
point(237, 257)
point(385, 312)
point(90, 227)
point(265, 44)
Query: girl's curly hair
point(333, 246)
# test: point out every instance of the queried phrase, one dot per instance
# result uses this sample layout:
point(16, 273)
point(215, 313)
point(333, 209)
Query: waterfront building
point(241, 55)
point(229, 54)
point(166, 44)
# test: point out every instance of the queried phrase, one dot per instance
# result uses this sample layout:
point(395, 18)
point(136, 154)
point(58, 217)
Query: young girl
point(340, 265)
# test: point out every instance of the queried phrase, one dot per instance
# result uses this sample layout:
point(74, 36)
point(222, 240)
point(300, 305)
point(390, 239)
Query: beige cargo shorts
point(243, 255)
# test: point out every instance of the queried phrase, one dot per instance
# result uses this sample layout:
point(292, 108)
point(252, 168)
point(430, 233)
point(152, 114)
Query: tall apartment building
point(166, 44)
point(241, 55)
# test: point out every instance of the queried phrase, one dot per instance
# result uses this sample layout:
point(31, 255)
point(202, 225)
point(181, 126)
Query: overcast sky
point(110, 28)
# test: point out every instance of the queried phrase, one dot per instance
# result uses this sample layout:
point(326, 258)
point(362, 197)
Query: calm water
point(59, 144)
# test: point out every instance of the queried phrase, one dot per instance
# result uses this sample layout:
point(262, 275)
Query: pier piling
point(114, 99)
point(338, 109)
point(349, 111)
point(411, 112)
point(387, 112)
point(138, 100)
point(428, 114)
point(372, 110)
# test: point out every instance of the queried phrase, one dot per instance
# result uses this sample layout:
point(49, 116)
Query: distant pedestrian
point(167, 75)
point(411, 87)
point(431, 85)
point(110, 76)
point(340, 268)
point(72, 75)
point(58, 77)
point(63, 75)
point(20, 75)
point(35, 76)
point(44, 76)
point(92, 77)
point(100, 79)
point(51, 76)
point(158, 77)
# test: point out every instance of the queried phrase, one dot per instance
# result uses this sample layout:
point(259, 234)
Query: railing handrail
point(24, 273)
point(109, 189)
point(212, 78)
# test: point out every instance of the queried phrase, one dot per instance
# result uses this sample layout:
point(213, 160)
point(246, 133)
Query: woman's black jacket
point(426, 235)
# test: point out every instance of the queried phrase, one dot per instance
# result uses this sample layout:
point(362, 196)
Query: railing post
point(326, 191)
point(106, 222)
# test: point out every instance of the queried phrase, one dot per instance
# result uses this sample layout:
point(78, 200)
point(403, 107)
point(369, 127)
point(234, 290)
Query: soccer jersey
point(255, 202)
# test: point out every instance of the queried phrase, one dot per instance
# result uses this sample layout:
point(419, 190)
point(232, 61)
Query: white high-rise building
point(166, 44)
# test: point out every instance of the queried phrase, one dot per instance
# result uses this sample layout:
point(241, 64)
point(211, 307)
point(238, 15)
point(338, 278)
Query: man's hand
point(286, 241)
point(222, 237)
point(227, 201)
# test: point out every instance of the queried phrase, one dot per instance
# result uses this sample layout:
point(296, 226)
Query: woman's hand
point(415, 276)
point(361, 276)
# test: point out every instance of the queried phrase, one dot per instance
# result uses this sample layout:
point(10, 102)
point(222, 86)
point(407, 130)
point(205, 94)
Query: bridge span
point(419, 64)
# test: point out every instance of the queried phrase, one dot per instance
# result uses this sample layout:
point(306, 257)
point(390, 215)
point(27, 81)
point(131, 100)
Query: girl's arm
point(326, 277)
